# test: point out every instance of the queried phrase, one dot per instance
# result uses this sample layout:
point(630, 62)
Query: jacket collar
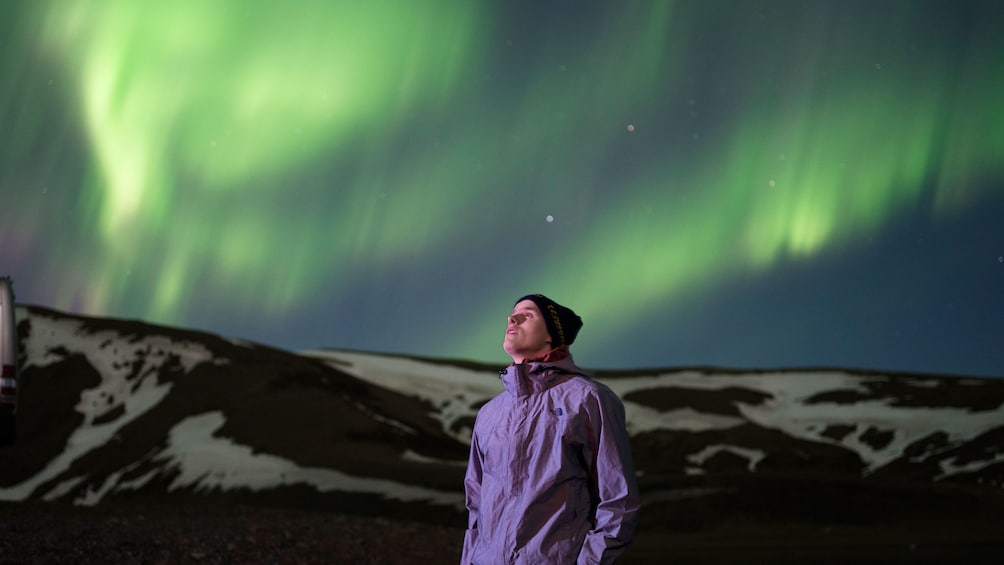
point(537, 376)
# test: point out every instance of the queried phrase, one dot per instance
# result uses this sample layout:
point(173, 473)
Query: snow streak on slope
point(205, 463)
point(792, 406)
point(129, 382)
point(130, 369)
point(454, 391)
point(789, 410)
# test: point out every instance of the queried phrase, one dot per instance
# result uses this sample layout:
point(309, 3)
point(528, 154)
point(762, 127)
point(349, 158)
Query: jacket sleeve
point(615, 482)
point(472, 487)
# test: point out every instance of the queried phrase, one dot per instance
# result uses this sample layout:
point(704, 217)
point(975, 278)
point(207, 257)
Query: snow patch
point(754, 456)
point(205, 462)
point(453, 391)
point(129, 385)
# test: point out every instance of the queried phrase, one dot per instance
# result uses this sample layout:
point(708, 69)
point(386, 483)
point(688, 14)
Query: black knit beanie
point(562, 323)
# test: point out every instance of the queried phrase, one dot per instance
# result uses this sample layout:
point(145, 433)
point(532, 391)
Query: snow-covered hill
point(115, 409)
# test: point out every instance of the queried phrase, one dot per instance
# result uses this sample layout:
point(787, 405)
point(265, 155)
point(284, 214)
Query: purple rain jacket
point(550, 477)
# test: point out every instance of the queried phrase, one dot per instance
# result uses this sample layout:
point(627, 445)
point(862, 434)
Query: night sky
point(749, 184)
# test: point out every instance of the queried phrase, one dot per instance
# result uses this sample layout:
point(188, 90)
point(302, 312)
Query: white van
point(8, 355)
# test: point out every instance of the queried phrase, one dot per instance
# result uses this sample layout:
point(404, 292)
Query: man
point(550, 477)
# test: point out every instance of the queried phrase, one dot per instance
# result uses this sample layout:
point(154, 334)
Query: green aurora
point(190, 162)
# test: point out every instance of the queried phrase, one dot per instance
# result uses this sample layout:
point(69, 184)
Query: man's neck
point(549, 356)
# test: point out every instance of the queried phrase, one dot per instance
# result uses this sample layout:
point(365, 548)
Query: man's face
point(526, 336)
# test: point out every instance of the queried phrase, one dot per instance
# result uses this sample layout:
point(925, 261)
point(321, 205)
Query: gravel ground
point(203, 534)
point(166, 534)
